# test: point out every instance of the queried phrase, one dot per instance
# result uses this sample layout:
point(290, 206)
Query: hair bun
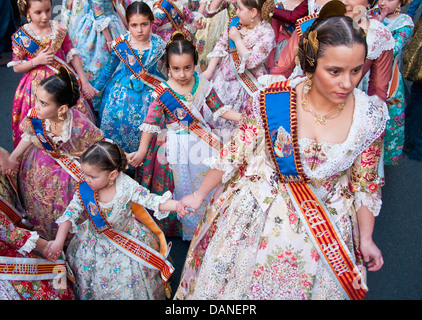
point(332, 8)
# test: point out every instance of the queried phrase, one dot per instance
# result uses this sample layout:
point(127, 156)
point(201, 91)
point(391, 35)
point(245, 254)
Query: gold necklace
point(321, 119)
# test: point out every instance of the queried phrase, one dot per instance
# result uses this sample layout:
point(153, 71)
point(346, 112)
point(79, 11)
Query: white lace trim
point(162, 214)
point(72, 52)
point(15, 63)
point(372, 201)
point(228, 169)
point(66, 129)
point(146, 127)
point(378, 38)
point(30, 244)
point(221, 111)
point(65, 218)
point(100, 26)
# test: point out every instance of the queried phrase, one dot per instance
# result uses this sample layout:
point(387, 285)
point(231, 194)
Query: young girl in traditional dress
point(183, 105)
point(103, 269)
point(296, 211)
point(39, 48)
point(54, 136)
point(251, 40)
point(92, 34)
point(401, 26)
point(21, 246)
point(126, 93)
point(171, 16)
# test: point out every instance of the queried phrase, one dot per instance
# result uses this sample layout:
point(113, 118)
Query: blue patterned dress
point(87, 36)
point(125, 99)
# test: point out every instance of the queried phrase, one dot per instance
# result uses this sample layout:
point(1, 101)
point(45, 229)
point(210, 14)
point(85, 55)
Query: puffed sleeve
point(261, 49)
point(22, 240)
point(18, 55)
point(149, 200)
point(72, 212)
point(380, 75)
point(364, 177)
point(153, 118)
point(286, 60)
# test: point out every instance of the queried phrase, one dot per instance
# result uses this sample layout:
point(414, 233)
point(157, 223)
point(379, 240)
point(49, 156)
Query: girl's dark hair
point(180, 45)
point(106, 156)
point(24, 6)
point(63, 88)
point(139, 7)
point(332, 31)
point(264, 7)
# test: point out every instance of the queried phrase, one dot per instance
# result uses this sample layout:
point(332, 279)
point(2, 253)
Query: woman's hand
point(191, 201)
point(371, 254)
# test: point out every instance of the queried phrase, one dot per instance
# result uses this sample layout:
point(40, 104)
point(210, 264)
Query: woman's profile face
point(338, 72)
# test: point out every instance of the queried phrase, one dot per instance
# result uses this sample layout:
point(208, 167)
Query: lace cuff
point(221, 111)
point(30, 243)
point(149, 128)
point(101, 25)
point(162, 214)
point(372, 201)
point(217, 54)
point(214, 163)
point(15, 63)
point(65, 218)
point(72, 52)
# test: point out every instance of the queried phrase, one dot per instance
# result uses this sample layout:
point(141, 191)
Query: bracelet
point(195, 195)
point(32, 62)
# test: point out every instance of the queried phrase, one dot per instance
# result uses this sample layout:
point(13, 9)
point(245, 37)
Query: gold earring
point(169, 75)
point(308, 83)
point(398, 9)
point(28, 17)
point(111, 182)
point(61, 117)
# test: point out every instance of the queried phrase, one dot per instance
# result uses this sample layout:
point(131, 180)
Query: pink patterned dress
point(59, 43)
point(46, 187)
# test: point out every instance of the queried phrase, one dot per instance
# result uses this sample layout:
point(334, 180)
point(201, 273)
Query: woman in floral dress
point(252, 243)
point(401, 26)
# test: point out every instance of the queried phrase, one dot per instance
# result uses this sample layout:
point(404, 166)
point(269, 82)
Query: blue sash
point(26, 42)
point(280, 128)
point(38, 126)
point(91, 205)
point(233, 23)
point(175, 16)
point(125, 53)
point(304, 23)
point(175, 107)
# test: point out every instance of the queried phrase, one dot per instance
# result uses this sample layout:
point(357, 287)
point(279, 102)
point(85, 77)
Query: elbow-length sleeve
point(286, 60)
point(107, 71)
point(380, 75)
point(365, 180)
point(216, 106)
point(153, 119)
point(263, 44)
point(73, 212)
point(150, 200)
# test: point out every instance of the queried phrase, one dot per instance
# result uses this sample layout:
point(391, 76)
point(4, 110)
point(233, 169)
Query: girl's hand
point(10, 167)
point(69, 4)
point(371, 255)
point(200, 24)
point(234, 34)
point(53, 251)
point(44, 56)
point(207, 74)
point(88, 90)
point(136, 158)
point(190, 201)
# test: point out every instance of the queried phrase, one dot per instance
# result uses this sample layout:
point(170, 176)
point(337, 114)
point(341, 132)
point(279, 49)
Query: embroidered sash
point(31, 269)
point(126, 54)
point(184, 117)
point(33, 47)
point(71, 165)
point(304, 23)
point(246, 79)
point(129, 245)
point(174, 15)
point(281, 140)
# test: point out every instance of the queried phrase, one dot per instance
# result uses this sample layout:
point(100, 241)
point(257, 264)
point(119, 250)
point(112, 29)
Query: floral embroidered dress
point(260, 42)
point(250, 243)
point(181, 152)
point(102, 271)
point(68, 17)
point(125, 99)
point(216, 23)
point(59, 43)
point(162, 25)
point(401, 29)
point(46, 187)
point(18, 242)
point(88, 38)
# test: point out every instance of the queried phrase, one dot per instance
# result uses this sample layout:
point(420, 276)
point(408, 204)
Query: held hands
point(53, 251)
point(192, 201)
point(88, 90)
point(9, 166)
point(135, 159)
